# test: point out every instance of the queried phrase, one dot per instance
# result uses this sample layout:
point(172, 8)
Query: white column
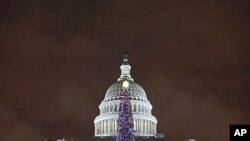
point(115, 125)
point(101, 127)
point(106, 126)
point(100, 124)
point(134, 124)
point(96, 129)
point(112, 125)
point(144, 126)
point(136, 121)
point(106, 121)
point(143, 123)
point(115, 121)
point(155, 128)
point(139, 125)
point(150, 127)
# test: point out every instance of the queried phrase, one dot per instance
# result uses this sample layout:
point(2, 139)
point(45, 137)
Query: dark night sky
point(58, 57)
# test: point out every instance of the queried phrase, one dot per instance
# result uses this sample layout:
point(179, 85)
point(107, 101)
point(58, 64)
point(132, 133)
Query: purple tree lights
point(125, 120)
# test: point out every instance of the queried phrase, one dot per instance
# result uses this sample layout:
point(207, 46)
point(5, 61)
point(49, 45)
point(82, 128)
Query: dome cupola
point(125, 69)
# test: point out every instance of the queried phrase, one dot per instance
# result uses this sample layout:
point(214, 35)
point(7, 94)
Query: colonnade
point(143, 126)
point(109, 127)
point(136, 108)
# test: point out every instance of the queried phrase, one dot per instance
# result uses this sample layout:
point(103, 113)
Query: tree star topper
point(125, 84)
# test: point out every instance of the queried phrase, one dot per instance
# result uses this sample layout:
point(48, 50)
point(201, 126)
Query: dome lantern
point(125, 69)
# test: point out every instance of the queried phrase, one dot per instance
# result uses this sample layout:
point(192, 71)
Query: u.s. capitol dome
point(145, 124)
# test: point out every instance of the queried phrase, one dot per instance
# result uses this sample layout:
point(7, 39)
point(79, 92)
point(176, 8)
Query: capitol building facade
point(145, 124)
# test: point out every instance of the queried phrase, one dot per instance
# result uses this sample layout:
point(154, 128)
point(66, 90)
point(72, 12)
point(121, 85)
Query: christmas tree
point(125, 120)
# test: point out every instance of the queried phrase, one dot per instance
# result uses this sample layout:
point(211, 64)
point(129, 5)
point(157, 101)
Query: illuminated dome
point(136, 92)
point(145, 124)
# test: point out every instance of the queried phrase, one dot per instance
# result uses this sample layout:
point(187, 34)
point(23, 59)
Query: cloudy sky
point(58, 57)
